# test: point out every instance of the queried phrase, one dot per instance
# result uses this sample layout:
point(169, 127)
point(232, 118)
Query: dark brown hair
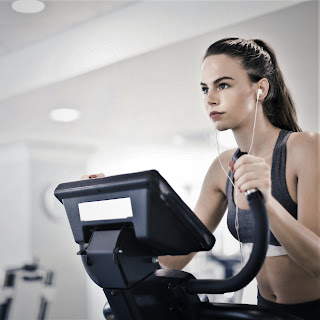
point(259, 60)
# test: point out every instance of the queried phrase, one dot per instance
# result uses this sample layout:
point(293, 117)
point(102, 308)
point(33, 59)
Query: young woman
point(241, 81)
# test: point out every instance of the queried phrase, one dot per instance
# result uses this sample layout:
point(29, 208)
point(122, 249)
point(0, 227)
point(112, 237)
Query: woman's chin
point(220, 126)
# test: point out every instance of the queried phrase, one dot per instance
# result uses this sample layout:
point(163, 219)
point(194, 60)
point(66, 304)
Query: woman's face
point(230, 96)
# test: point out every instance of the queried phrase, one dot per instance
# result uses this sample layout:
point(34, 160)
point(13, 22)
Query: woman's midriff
point(281, 280)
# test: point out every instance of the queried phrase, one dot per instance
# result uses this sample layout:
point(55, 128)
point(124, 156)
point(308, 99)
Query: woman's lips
point(215, 114)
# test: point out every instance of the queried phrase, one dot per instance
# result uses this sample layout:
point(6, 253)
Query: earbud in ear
point(259, 92)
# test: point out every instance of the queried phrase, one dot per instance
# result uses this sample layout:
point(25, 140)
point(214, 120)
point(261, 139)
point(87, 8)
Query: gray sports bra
point(279, 192)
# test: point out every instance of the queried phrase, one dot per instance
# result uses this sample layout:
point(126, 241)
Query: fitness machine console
point(123, 223)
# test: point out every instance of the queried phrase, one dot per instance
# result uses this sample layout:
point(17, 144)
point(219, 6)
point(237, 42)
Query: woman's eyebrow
point(218, 80)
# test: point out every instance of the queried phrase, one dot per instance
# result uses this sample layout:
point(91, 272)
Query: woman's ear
point(263, 85)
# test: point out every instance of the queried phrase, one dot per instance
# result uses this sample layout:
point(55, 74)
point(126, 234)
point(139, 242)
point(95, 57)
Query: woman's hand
point(92, 176)
point(252, 172)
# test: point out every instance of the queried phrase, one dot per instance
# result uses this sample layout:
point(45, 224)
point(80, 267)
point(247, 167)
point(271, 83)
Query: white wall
point(34, 226)
point(15, 206)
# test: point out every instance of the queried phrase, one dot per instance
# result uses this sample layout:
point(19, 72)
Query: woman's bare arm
point(210, 207)
point(301, 238)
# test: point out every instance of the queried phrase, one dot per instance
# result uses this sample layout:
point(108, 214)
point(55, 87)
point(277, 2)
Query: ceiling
point(20, 30)
point(118, 62)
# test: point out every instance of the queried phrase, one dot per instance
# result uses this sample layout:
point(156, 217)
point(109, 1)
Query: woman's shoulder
point(225, 158)
point(227, 155)
point(216, 174)
point(304, 148)
point(304, 141)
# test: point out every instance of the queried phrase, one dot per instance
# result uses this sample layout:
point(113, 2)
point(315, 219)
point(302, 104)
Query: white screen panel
point(106, 209)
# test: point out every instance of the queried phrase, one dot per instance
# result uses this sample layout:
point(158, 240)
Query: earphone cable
point(236, 198)
point(236, 222)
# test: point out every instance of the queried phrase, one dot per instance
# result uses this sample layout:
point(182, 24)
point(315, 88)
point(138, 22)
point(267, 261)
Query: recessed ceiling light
point(28, 6)
point(64, 115)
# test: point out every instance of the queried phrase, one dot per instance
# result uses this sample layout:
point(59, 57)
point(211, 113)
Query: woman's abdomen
point(281, 280)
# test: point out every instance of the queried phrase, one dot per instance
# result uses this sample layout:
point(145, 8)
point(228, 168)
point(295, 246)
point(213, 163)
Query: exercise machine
point(26, 293)
point(124, 223)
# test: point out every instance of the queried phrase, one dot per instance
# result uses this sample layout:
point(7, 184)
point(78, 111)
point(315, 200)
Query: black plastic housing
point(162, 221)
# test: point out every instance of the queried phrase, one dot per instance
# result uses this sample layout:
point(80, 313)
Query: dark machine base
point(163, 295)
point(217, 311)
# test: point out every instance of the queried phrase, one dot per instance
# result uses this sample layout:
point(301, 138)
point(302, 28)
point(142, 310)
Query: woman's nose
point(212, 98)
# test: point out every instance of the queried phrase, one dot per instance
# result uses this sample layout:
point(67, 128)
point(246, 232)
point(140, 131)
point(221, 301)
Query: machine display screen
point(106, 209)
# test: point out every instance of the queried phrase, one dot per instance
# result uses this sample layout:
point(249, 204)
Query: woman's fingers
point(247, 159)
point(93, 176)
point(252, 172)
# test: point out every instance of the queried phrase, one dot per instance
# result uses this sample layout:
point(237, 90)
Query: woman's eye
point(222, 86)
point(204, 90)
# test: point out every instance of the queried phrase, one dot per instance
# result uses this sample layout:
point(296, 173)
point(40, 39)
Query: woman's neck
point(265, 137)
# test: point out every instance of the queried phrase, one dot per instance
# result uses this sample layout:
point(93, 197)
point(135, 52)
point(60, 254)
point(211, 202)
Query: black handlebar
point(255, 262)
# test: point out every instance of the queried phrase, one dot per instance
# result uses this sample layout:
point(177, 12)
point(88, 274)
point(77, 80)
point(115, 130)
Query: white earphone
point(259, 92)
